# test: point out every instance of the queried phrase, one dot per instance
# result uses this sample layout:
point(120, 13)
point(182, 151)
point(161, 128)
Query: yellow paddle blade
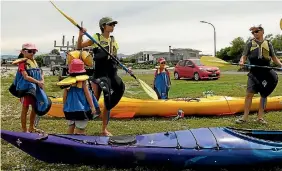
point(19, 60)
point(148, 89)
point(67, 81)
point(70, 19)
point(281, 24)
point(82, 77)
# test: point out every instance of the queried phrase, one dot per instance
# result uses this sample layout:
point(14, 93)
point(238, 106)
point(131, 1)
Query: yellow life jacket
point(31, 64)
point(86, 57)
point(263, 49)
point(73, 81)
point(111, 42)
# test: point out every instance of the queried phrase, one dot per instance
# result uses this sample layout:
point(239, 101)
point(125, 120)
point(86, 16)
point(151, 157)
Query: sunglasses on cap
point(253, 32)
point(30, 51)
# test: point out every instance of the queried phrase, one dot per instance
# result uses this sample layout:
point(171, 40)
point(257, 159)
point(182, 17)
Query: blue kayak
point(217, 146)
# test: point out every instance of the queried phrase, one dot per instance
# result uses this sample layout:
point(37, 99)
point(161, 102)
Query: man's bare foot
point(106, 133)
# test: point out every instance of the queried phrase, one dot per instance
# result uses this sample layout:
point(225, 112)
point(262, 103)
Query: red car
point(192, 68)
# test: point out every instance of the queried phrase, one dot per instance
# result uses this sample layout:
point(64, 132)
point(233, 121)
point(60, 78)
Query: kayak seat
point(122, 140)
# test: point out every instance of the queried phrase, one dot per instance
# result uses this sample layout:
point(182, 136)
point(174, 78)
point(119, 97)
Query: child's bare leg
point(71, 129)
point(23, 118)
point(79, 131)
point(80, 127)
point(31, 120)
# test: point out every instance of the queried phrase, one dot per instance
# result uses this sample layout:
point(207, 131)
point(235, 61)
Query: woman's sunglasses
point(30, 51)
point(163, 63)
point(253, 32)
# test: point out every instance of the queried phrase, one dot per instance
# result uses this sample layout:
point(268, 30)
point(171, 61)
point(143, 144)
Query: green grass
point(229, 68)
point(230, 85)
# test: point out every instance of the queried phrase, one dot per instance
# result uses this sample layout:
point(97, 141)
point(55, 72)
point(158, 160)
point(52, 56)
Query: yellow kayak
point(211, 105)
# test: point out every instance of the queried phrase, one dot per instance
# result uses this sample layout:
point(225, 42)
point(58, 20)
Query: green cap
point(107, 20)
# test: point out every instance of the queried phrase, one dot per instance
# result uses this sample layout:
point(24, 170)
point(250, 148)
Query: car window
point(181, 63)
point(188, 63)
point(198, 62)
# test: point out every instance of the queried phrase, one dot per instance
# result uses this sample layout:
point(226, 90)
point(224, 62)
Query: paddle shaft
point(258, 66)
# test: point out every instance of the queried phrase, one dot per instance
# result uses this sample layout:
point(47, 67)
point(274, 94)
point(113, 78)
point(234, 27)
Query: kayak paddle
point(145, 86)
point(259, 66)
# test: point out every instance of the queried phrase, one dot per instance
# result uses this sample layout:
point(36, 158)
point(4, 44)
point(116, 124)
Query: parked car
point(193, 68)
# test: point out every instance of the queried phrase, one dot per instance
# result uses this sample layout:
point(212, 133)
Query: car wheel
point(196, 76)
point(176, 76)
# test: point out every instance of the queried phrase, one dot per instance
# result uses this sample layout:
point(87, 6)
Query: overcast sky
point(143, 25)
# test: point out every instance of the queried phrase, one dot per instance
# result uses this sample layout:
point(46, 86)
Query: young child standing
point(162, 80)
point(28, 78)
point(77, 100)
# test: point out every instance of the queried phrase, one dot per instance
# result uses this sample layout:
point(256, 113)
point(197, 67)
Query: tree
point(234, 51)
point(237, 48)
point(277, 43)
point(133, 60)
point(39, 60)
point(55, 51)
point(269, 37)
point(223, 54)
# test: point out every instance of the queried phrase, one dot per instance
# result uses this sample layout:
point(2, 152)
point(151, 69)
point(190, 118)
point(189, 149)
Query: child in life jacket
point(77, 99)
point(162, 81)
point(28, 86)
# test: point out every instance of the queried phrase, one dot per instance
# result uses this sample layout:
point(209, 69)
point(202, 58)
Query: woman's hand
point(40, 84)
point(82, 31)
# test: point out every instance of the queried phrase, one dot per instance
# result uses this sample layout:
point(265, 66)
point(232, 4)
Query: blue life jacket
point(21, 87)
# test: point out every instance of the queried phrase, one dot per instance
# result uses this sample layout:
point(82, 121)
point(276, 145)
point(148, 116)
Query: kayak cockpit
point(122, 140)
point(274, 136)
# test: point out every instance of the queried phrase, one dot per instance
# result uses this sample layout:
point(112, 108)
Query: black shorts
point(112, 87)
point(264, 83)
point(79, 115)
point(251, 86)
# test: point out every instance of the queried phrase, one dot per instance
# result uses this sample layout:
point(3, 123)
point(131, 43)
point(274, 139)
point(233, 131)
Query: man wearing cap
point(259, 52)
point(105, 76)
